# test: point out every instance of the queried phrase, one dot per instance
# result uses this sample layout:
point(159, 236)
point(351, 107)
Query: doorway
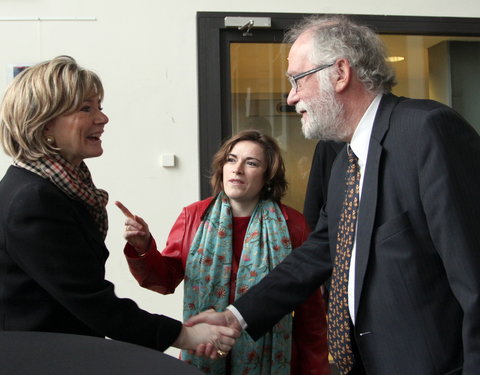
point(242, 82)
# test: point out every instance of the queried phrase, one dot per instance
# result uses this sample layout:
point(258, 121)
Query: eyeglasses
point(293, 79)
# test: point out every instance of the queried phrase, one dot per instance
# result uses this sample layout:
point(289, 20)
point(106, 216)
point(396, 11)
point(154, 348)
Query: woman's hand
point(136, 230)
point(225, 319)
point(218, 339)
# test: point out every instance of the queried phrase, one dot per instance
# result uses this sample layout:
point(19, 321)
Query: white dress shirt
point(359, 145)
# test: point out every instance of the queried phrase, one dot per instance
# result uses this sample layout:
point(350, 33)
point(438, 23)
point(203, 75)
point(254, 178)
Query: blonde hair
point(37, 96)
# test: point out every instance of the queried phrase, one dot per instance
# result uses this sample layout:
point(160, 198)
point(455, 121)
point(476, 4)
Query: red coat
point(162, 272)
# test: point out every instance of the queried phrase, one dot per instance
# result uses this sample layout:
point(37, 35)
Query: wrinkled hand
point(136, 232)
point(199, 337)
point(226, 319)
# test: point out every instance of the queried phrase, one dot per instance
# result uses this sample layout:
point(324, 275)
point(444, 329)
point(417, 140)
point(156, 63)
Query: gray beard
point(325, 117)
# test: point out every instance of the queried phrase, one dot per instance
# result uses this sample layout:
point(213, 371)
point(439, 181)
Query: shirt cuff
point(239, 316)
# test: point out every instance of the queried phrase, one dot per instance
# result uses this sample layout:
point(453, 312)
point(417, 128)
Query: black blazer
point(52, 269)
point(417, 270)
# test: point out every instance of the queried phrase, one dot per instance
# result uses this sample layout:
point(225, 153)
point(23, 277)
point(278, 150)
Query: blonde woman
point(53, 220)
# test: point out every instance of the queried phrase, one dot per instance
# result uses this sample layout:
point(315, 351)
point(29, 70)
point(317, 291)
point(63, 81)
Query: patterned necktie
point(338, 315)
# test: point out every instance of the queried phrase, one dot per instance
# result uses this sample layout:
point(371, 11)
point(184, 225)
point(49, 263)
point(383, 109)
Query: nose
point(292, 98)
point(101, 118)
point(238, 168)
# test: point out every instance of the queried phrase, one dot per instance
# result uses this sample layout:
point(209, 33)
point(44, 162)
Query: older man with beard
point(400, 230)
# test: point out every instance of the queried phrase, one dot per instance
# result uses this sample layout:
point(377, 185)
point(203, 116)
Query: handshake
point(209, 334)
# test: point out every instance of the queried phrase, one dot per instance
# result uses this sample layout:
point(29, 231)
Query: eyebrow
point(248, 158)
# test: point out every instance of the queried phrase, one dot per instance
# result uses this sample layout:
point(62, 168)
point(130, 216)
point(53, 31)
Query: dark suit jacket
point(52, 269)
point(317, 187)
point(417, 280)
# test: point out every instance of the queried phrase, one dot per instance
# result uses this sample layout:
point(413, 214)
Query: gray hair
point(335, 37)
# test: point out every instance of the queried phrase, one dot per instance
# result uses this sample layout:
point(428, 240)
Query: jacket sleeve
point(61, 250)
point(162, 272)
point(449, 177)
point(309, 344)
point(289, 284)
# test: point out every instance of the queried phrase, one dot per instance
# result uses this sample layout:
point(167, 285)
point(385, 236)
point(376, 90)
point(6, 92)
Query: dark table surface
point(29, 353)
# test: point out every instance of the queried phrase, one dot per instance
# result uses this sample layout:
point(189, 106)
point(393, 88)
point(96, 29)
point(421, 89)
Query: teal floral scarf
point(207, 281)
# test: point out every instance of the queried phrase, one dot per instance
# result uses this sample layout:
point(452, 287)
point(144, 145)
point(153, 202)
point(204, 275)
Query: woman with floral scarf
point(223, 245)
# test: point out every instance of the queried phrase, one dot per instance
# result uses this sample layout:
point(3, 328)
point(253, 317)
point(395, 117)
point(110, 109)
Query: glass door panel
point(442, 68)
point(259, 89)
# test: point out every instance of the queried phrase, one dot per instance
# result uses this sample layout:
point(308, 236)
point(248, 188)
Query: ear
point(47, 127)
point(344, 75)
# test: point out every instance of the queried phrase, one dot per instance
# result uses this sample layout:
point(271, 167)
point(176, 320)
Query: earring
point(50, 140)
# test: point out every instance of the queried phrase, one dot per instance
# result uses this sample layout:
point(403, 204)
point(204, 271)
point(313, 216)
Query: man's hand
point(225, 318)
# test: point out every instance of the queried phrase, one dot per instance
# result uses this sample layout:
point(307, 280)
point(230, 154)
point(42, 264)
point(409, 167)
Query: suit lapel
point(369, 198)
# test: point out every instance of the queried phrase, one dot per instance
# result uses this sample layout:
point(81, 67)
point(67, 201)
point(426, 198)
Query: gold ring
point(221, 353)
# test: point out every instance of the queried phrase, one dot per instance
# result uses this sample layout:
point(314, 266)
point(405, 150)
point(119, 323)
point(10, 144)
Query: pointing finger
point(124, 210)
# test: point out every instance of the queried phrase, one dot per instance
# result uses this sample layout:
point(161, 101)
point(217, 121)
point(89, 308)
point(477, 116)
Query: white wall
point(145, 52)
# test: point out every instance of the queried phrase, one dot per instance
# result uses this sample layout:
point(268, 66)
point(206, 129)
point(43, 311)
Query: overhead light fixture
point(395, 58)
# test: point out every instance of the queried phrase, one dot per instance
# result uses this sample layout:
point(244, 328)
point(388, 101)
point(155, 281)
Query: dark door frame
point(213, 40)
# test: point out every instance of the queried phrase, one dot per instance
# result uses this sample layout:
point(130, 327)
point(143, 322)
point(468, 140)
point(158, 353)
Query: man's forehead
point(299, 52)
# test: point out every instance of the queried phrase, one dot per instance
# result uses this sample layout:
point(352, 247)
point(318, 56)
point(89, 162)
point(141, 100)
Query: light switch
point(168, 160)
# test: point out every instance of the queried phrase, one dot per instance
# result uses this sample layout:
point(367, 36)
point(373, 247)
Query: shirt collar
point(361, 137)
